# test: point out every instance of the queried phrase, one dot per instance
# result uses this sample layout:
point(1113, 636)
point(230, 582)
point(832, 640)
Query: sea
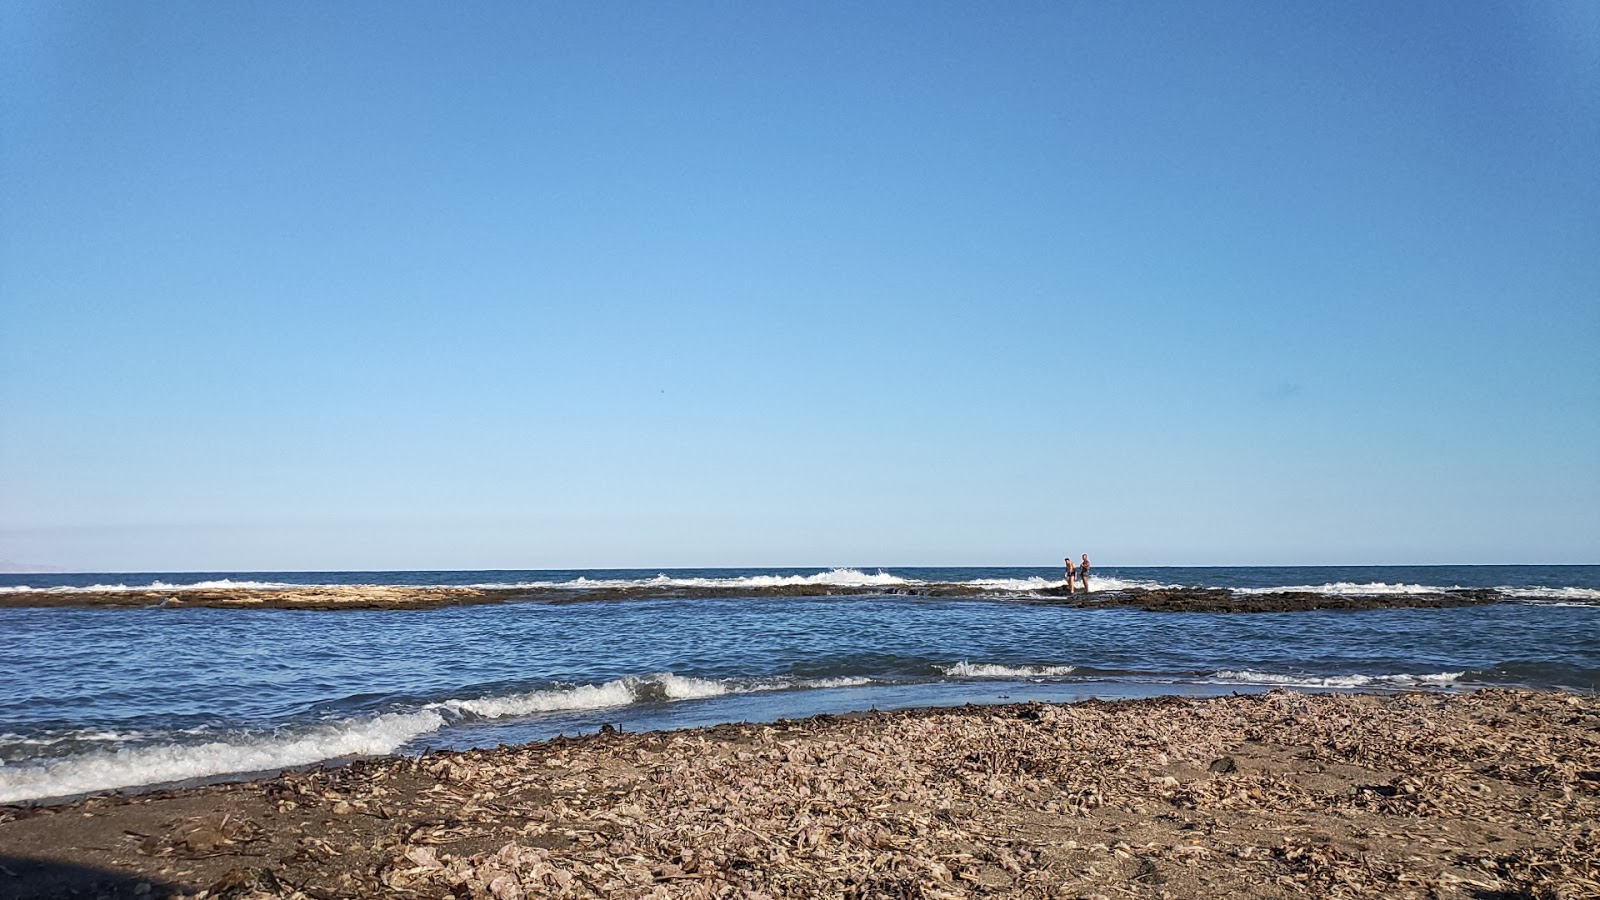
point(95, 699)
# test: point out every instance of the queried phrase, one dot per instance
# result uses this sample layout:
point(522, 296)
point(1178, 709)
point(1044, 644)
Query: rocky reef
point(1224, 600)
point(409, 597)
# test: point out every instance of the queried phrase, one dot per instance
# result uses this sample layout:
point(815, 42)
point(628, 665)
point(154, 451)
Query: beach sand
point(1493, 794)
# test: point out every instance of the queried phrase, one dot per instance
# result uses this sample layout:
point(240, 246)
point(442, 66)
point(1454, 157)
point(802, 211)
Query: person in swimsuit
point(1071, 573)
point(1083, 572)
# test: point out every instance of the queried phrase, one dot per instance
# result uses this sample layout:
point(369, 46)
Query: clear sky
point(530, 285)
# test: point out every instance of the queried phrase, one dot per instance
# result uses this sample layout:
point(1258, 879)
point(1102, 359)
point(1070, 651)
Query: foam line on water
point(105, 770)
point(660, 687)
point(830, 578)
point(1554, 596)
point(583, 696)
point(1350, 589)
point(1246, 676)
point(966, 669)
point(841, 681)
point(158, 585)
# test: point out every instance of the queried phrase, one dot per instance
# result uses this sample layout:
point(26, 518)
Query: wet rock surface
point(1488, 794)
point(1224, 600)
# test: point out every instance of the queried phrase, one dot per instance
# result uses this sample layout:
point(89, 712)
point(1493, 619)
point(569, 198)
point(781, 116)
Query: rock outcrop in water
point(1224, 600)
point(406, 597)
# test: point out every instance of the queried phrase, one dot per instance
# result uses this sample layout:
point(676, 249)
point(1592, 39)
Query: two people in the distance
point(1080, 571)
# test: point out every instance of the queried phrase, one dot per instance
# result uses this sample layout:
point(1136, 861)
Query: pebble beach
point(1494, 793)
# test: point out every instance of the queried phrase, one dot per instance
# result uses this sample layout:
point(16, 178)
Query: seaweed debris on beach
point(1487, 794)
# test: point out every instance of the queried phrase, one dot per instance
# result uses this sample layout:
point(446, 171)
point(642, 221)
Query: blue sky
point(363, 285)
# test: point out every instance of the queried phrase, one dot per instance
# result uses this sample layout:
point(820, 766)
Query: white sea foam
point(1109, 583)
point(105, 770)
point(1350, 589)
point(991, 670)
point(854, 578)
point(620, 692)
point(661, 687)
point(830, 578)
point(73, 735)
point(1096, 584)
point(1246, 676)
point(678, 687)
point(1015, 584)
point(1559, 596)
point(219, 584)
point(583, 696)
point(842, 681)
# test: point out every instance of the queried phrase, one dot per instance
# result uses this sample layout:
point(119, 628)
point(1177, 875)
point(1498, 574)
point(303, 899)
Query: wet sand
point(326, 597)
point(1493, 794)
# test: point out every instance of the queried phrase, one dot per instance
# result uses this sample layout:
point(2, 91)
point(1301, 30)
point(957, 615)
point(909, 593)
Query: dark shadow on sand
point(35, 879)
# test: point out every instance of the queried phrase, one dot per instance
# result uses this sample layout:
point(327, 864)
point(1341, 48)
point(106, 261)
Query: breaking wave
point(991, 670)
point(102, 770)
point(221, 584)
point(1097, 584)
point(108, 768)
point(1246, 676)
point(830, 578)
point(659, 688)
point(1350, 589)
point(1554, 596)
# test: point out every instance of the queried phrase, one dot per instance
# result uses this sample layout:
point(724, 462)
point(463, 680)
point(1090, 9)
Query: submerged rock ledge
point(406, 597)
point(1450, 796)
point(1224, 600)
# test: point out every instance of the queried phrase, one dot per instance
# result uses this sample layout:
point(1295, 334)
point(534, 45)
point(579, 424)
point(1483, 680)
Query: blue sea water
point(101, 698)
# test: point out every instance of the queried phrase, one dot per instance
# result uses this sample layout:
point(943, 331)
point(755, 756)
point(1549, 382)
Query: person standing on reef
point(1083, 572)
point(1071, 574)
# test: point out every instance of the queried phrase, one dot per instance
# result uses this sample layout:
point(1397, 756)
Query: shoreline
point(336, 597)
point(1266, 795)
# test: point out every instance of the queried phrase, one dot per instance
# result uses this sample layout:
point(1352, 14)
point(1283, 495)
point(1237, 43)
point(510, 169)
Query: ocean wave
point(838, 577)
point(61, 743)
point(1553, 596)
point(841, 681)
point(1112, 583)
point(71, 735)
point(126, 767)
point(1349, 589)
point(1035, 584)
point(1539, 673)
point(966, 669)
point(221, 584)
point(1246, 676)
point(830, 578)
point(661, 687)
point(583, 696)
point(1014, 584)
point(94, 769)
